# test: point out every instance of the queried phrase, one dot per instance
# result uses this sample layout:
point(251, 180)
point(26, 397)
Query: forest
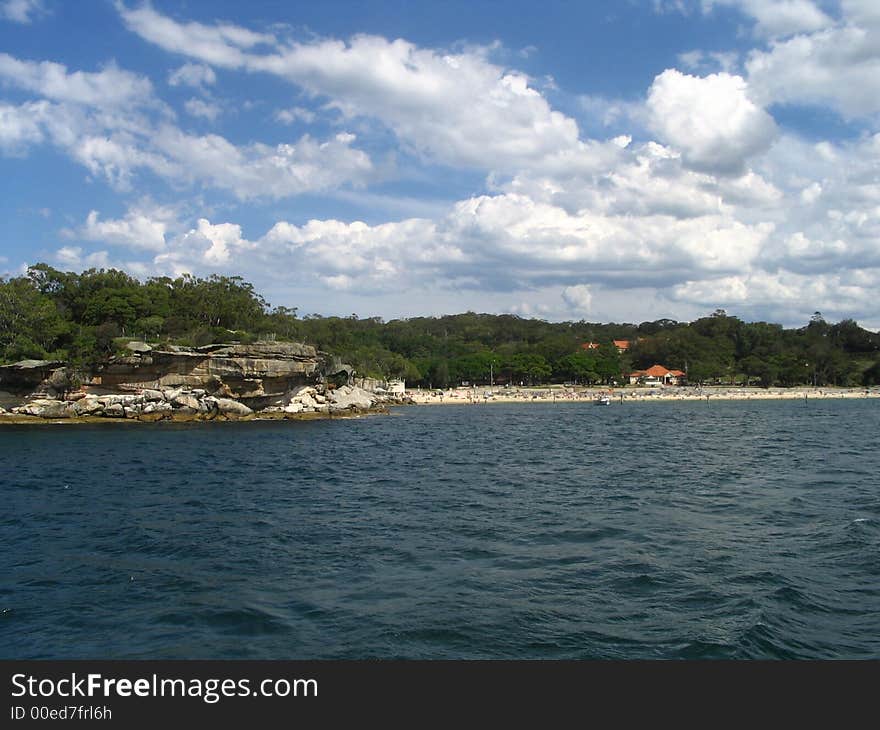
point(83, 319)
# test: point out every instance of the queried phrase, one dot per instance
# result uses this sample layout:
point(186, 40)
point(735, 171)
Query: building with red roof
point(657, 375)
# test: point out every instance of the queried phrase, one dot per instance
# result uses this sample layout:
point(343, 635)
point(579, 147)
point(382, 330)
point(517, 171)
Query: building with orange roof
point(657, 375)
point(621, 345)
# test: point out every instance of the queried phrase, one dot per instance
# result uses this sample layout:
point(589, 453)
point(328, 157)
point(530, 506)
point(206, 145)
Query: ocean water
point(661, 530)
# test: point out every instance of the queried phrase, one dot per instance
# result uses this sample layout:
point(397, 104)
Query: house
point(590, 346)
point(621, 345)
point(657, 375)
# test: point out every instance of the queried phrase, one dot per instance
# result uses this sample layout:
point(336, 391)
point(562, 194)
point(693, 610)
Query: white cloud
point(457, 109)
point(139, 229)
point(579, 298)
point(193, 74)
point(258, 170)
point(358, 256)
point(614, 114)
point(777, 18)
point(97, 119)
point(117, 157)
point(720, 208)
point(21, 11)
point(294, 114)
point(21, 126)
point(711, 120)
point(110, 87)
point(454, 108)
point(837, 67)
point(72, 258)
point(221, 44)
point(787, 295)
point(861, 12)
point(203, 109)
point(710, 61)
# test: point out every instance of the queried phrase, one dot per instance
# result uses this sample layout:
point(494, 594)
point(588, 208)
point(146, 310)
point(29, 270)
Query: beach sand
point(562, 394)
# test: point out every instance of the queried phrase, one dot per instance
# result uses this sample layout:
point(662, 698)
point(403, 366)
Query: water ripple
point(678, 530)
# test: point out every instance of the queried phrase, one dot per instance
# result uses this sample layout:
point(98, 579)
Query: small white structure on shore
point(397, 387)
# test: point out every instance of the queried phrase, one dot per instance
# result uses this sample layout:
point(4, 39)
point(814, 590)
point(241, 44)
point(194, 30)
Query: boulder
point(138, 347)
point(155, 411)
point(229, 407)
point(88, 406)
point(171, 393)
point(302, 390)
point(293, 408)
point(152, 395)
point(117, 400)
point(114, 410)
point(161, 407)
point(307, 401)
point(46, 408)
point(350, 397)
point(187, 401)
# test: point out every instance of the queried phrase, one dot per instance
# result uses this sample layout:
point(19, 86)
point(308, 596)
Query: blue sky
point(608, 161)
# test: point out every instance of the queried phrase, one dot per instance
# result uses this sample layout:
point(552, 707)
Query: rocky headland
point(216, 382)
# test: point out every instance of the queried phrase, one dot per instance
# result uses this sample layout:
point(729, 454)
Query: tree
point(30, 323)
point(871, 376)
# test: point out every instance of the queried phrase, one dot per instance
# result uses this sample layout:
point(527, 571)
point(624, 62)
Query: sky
point(603, 161)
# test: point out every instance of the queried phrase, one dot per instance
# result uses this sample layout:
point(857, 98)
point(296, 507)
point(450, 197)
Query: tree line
point(84, 318)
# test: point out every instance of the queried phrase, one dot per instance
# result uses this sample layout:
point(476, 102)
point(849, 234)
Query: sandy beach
point(562, 394)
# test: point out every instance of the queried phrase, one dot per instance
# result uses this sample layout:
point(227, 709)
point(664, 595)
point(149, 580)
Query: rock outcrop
point(216, 382)
point(26, 376)
point(259, 375)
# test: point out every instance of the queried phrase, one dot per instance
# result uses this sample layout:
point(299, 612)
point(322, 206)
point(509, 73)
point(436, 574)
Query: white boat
point(603, 400)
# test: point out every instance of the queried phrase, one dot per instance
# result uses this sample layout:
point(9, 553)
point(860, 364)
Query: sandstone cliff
point(225, 381)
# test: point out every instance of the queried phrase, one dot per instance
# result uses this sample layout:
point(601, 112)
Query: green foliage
point(871, 376)
point(83, 318)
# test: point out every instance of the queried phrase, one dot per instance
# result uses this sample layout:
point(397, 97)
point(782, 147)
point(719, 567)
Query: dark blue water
point(667, 530)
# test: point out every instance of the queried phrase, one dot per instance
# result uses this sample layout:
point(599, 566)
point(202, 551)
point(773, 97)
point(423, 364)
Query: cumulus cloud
point(861, 12)
point(139, 229)
point(779, 17)
point(711, 120)
point(196, 75)
point(259, 170)
point(709, 61)
point(789, 296)
point(110, 87)
point(838, 67)
point(73, 257)
point(454, 108)
point(22, 11)
point(21, 126)
point(110, 122)
point(295, 114)
point(222, 44)
point(579, 298)
point(690, 200)
point(203, 109)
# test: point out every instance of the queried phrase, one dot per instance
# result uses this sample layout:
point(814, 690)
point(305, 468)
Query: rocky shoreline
point(234, 382)
point(195, 405)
